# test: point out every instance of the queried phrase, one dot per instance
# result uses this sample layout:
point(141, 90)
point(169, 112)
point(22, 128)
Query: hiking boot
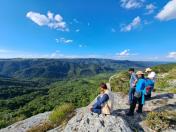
point(130, 114)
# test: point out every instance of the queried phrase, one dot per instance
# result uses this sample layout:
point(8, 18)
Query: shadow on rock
point(133, 121)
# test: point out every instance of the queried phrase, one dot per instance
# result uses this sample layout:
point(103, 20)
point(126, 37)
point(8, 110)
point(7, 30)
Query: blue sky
point(115, 29)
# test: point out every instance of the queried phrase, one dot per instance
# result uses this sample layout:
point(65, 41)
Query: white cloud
point(134, 24)
point(150, 9)
point(168, 12)
point(125, 54)
point(132, 4)
point(56, 54)
point(64, 41)
point(172, 55)
point(54, 22)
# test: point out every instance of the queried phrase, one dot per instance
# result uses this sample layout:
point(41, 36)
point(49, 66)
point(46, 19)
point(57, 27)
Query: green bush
point(159, 121)
point(61, 113)
point(3, 123)
point(120, 83)
point(164, 68)
point(161, 84)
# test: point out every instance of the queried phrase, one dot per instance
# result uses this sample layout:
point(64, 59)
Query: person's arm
point(135, 79)
point(103, 99)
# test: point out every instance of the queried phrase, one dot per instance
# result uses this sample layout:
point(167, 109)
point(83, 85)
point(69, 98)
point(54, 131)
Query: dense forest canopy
point(32, 86)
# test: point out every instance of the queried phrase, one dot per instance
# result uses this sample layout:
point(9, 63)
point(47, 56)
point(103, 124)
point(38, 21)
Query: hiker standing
point(151, 74)
point(150, 82)
point(133, 80)
point(104, 101)
point(138, 95)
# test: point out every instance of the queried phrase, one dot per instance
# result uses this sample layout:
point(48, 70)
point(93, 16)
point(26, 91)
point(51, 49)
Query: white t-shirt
point(152, 76)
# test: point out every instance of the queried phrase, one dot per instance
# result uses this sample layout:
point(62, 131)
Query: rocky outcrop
point(85, 121)
point(23, 126)
point(90, 122)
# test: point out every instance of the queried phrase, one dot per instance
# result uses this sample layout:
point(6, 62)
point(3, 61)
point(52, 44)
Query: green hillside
point(166, 79)
point(32, 86)
point(63, 68)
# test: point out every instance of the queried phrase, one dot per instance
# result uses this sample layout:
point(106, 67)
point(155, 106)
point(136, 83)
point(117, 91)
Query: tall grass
point(120, 83)
point(61, 113)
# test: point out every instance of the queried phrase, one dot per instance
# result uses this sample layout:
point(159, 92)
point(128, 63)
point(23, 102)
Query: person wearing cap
point(103, 104)
point(150, 82)
point(133, 80)
point(138, 95)
point(151, 74)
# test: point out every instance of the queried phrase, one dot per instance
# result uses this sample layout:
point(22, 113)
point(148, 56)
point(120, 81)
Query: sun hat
point(148, 70)
point(139, 73)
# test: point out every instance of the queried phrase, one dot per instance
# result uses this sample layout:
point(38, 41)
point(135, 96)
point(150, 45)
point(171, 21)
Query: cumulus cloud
point(50, 20)
point(150, 9)
point(168, 12)
point(134, 24)
point(172, 55)
point(132, 4)
point(64, 41)
point(125, 54)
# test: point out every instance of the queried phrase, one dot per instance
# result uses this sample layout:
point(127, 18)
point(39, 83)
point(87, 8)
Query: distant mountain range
point(64, 68)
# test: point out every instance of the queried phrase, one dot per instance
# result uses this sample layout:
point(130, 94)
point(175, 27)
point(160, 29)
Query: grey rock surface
point(89, 122)
point(23, 126)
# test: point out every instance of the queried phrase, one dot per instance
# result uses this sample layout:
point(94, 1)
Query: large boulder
point(23, 126)
point(90, 122)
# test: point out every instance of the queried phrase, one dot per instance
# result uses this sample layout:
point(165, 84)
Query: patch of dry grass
point(43, 127)
point(159, 121)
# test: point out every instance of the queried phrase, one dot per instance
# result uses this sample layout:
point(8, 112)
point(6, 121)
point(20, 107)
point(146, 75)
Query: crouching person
point(103, 103)
point(138, 95)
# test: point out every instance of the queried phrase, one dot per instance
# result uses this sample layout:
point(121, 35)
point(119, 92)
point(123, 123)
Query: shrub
point(120, 83)
point(172, 90)
point(61, 113)
point(159, 121)
point(3, 123)
point(161, 84)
